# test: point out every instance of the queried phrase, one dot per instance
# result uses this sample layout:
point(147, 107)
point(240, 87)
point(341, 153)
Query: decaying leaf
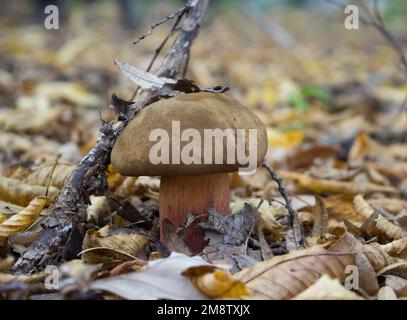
point(34, 278)
point(69, 91)
point(396, 248)
point(41, 176)
point(22, 220)
point(21, 193)
point(382, 224)
point(215, 283)
point(6, 263)
point(101, 247)
point(235, 228)
point(283, 277)
point(268, 212)
point(331, 186)
point(162, 279)
point(321, 219)
point(398, 284)
point(327, 288)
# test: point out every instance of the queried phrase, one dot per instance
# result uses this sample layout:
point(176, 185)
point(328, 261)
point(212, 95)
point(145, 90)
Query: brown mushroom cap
point(130, 154)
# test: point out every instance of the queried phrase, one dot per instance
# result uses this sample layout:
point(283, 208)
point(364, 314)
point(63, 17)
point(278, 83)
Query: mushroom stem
point(182, 194)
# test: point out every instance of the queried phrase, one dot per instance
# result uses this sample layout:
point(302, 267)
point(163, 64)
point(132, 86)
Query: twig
point(160, 47)
point(62, 236)
point(160, 22)
point(294, 221)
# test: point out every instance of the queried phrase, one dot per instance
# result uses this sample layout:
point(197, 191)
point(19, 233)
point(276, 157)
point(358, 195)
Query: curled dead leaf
point(330, 186)
point(215, 282)
point(22, 220)
point(100, 247)
point(380, 223)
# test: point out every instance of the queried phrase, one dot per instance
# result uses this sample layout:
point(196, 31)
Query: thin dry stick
point(161, 46)
point(177, 12)
point(294, 221)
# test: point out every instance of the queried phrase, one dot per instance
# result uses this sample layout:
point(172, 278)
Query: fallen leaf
point(162, 279)
point(22, 220)
point(215, 283)
point(327, 288)
point(21, 193)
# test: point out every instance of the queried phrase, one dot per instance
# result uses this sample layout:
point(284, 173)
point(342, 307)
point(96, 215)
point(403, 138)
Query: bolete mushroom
point(192, 141)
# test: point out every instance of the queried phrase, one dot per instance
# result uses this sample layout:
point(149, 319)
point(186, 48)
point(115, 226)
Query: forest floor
point(335, 108)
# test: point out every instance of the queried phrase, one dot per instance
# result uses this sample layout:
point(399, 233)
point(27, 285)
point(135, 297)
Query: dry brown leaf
point(396, 248)
point(382, 224)
point(108, 257)
point(367, 275)
point(2, 218)
point(391, 205)
point(283, 277)
point(320, 218)
point(6, 278)
point(21, 193)
point(365, 147)
point(394, 170)
point(330, 186)
point(327, 288)
point(70, 91)
point(341, 208)
point(267, 215)
point(7, 208)
point(128, 266)
point(31, 121)
point(5, 264)
point(41, 176)
point(398, 284)
point(22, 220)
point(376, 177)
point(99, 246)
point(215, 283)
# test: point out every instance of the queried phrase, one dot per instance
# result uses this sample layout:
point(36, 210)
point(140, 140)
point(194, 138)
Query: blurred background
point(310, 79)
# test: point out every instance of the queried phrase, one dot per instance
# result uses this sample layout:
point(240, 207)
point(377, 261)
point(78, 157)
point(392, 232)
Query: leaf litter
point(336, 136)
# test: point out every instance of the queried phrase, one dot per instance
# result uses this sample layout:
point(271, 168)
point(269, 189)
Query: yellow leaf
point(20, 193)
point(332, 186)
point(287, 139)
point(215, 282)
point(22, 220)
point(124, 246)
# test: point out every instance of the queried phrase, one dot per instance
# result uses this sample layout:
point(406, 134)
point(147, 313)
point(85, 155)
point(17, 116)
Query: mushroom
point(174, 138)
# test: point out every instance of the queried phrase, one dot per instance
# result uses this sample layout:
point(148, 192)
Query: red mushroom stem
point(182, 194)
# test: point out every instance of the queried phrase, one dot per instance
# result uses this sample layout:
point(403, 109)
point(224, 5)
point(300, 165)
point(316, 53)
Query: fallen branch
point(62, 235)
